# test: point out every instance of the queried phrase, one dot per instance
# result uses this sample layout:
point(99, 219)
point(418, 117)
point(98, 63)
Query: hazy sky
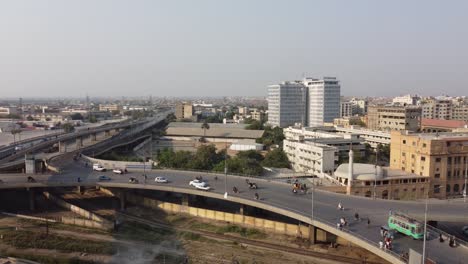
point(220, 47)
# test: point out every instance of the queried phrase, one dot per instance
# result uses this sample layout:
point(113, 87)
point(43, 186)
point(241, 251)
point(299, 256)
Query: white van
point(98, 167)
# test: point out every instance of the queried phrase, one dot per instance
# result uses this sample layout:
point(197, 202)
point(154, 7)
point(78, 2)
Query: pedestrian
point(216, 178)
point(256, 196)
point(381, 244)
point(356, 216)
point(441, 239)
point(368, 222)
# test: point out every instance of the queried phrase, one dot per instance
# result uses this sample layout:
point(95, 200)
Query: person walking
point(356, 216)
point(368, 222)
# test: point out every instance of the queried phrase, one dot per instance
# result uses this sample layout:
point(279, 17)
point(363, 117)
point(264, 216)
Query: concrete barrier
point(238, 219)
point(114, 164)
point(91, 219)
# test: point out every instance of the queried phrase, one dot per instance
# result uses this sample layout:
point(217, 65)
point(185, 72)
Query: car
point(133, 180)
point(200, 185)
point(465, 230)
point(98, 167)
point(104, 178)
point(161, 180)
point(118, 171)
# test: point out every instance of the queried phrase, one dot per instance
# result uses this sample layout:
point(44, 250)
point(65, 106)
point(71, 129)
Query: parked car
point(161, 180)
point(200, 185)
point(98, 167)
point(104, 178)
point(132, 180)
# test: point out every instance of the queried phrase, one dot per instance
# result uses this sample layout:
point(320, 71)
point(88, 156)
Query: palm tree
point(205, 126)
point(14, 132)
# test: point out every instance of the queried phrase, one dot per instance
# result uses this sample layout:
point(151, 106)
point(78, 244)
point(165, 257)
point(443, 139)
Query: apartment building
point(360, 106)
point(346, 109)
point(460, 112)
point(394, 118)
point(406, 100)
point(109, 107)
point(437, 109)
point(372, 137)
point(442, 157)
point(184, 111)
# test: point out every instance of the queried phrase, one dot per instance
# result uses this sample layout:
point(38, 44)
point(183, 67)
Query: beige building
point(258, 115)
point(382, 182)
point(109, 107)
point(442, 157)
point(460, 112)
point(184, 111)
point(394, 118)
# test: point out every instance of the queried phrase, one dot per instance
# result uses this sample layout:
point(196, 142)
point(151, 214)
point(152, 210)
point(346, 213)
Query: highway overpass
point(278, 198)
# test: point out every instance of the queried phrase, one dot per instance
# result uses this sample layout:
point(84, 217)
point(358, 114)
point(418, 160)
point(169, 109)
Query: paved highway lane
point(280, 195)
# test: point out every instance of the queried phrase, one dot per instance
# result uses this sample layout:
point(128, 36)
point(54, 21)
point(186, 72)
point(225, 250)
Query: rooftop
point(216, 130)
point(443, 123)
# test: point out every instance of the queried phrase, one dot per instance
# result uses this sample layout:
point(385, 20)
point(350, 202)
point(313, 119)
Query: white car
point(161, 180)
point(118, 171)
point(98, 167)
point(200, 185)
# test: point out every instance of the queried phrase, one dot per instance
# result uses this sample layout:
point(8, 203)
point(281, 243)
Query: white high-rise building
point(323, 100)
point(287, 104)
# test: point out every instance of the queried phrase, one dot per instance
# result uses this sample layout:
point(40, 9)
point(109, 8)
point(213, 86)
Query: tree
point(48, 119)
point(205, 126)
point(92, 119)
point(229, 115)
point(68, 127)
point(255, 125)
point(14, 132)
point(76, 116)
point(29, 118)
point(276, 158)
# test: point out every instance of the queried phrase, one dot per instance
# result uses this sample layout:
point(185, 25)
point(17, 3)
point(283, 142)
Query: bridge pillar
point(107, 133)
point(122, 200)
point(62, 147)
point(93, 137)
point(185, 203)
point(80, 189)
point(32, 200)
point(79, 142)
point(30, 164)
point(312, 234)
point(242, 209)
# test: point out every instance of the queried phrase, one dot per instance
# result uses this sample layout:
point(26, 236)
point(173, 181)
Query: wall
point(238, 219)
point(111, 164)
point(92, 220)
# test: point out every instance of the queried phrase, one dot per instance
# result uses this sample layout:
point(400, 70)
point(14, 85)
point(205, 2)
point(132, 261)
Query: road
point(280, 195)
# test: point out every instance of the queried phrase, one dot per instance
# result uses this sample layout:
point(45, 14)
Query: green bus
point(406, 225)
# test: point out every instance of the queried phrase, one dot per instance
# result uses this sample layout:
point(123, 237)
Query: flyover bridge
point(278, 198)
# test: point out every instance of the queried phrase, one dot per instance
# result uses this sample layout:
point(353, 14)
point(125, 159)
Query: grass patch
point(175, 218)
point(243, 231)
point(142, 232)
point(48, 259)
point(28, 239)
point(61, 226)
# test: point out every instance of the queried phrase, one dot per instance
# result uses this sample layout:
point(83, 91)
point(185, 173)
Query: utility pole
point(466, 176)
point(376, 164)
point(225, 173)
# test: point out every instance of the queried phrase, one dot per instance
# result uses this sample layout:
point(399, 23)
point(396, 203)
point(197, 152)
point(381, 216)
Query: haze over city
point(218, 48)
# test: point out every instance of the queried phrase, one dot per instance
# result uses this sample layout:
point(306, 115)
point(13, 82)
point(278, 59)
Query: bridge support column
point(32, 200)
point(107, 133)
point(80, 189)
point(30, 164)
point(93, 137)
point(122, 196)
point(62, 147)
point(79, 142)
point(312, 234)
point(185, 203)
point(242, 209)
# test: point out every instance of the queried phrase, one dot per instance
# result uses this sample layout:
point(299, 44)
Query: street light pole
point(375, 178)
point(466, 176)
point(225, 173)
point(425, 225)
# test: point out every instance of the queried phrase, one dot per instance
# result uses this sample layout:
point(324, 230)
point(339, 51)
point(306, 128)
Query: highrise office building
point(310, 102)
point(287, 104)
point(323, 100)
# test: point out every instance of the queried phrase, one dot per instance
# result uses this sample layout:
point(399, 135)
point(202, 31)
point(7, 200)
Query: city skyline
point(120, 48)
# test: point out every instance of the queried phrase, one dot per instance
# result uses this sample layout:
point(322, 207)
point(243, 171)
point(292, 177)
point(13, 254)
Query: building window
point(403, 154)
point(437, 175)
point(447, 188)
point(404, 141)
point(424, 145)
point(423, 158)
point(438, 159)
point(436, 188)
point(456, 188)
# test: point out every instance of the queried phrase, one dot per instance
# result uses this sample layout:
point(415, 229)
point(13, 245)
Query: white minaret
point(350, 170)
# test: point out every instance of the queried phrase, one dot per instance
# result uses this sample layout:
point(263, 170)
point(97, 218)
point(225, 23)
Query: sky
point(230, 48)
